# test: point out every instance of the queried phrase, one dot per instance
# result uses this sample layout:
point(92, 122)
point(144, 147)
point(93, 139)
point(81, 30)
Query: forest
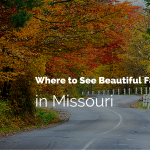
point(69, 38)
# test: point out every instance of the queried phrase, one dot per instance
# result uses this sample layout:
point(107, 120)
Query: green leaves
point(15, 12)
point(50, 3)
point(148, 31)
point(19, 19)
point(22, 4)
point(147, 2)
point(146, 37)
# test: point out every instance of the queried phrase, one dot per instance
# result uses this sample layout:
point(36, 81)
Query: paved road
point(91, 128)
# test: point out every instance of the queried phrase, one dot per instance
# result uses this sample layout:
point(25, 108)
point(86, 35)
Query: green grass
point(10, 123)
point(139, 105)
point(46, 116)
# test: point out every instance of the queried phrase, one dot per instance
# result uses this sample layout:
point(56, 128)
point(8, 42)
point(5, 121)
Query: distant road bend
point(91, 128)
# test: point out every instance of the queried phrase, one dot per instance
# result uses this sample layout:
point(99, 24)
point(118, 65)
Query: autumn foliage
point(70, 38)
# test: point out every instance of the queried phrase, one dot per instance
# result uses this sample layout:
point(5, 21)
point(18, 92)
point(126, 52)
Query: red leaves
point(88, 33)
point(83, 60)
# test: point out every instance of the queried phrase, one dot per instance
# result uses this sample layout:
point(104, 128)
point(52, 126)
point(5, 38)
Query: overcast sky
point(137, 3)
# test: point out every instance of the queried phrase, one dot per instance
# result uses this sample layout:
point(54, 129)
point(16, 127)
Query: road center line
point(120, 121)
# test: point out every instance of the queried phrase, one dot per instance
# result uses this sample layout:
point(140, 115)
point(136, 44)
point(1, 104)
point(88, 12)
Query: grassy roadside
point(139, 105)
point(10, 123)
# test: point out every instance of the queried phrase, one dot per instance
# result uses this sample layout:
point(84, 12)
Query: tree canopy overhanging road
point(91, 128)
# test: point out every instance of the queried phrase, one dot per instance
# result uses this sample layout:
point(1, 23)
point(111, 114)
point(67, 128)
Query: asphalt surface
point(91, 128)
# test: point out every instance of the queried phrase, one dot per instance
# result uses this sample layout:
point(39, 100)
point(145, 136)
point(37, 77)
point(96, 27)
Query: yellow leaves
point(148, 69)
point(137, 48)
point(29, 31)
point(2, 40)
point(48, 8)
point(90, 27)
point(68, 24)
point(46, 1)
point(6, 76)
point(37, 10)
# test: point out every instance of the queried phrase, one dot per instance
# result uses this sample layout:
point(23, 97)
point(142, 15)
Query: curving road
point(91, 128)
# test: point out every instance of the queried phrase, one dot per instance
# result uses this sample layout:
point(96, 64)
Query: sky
point(137, 3)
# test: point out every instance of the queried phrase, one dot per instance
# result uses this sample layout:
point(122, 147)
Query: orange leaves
point(73, 23)
point(88, 34)
point(72, 64)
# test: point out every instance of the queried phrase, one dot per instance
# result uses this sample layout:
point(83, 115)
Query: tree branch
point(61, 1)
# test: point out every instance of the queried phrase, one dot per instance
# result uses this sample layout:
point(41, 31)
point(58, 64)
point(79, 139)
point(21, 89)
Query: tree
point(72, 36)
point(135, 59)
point(14, 13)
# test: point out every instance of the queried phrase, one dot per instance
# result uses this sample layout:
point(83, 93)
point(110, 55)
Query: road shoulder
point(62, 114)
